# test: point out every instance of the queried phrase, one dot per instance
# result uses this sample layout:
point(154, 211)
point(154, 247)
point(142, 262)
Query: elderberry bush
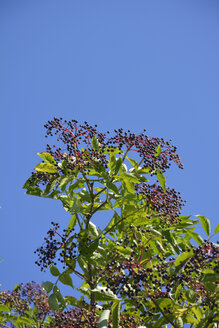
point(148, 267)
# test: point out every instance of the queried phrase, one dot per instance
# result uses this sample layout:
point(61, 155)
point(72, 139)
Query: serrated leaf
point(54, 271)
point(53, 302)
point(48, 286)
point(103, 319)
point(161, 178)
point(65, 278)
point(47, 158)
point(116, 307)
point(46, 168)
point(205, 222)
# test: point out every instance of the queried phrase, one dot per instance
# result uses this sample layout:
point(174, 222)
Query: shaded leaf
point(53, 302)
point(54, 271)
point(65, 278)
point(48, 286)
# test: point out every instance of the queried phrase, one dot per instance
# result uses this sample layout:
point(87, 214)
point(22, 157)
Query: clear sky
point(121, 63)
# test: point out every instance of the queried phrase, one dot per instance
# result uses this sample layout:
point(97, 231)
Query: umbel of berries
point(127, 255)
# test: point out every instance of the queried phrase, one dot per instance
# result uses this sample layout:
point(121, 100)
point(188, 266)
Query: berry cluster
point(130, 278)
point(167, 204)
point(75, 318)
point(57, 247)
point(73, 136)
point(24, 296)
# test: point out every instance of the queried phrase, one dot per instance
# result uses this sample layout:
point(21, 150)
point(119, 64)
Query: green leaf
point(54, 271)
point(179, 322)
point(95, 143)
point(35, 191)
point(216, 229)
point(4, 308)
point(133, 162)
point(46, 168)
point(182, 258)
point(161, 179)
point(53, 302)
point(93, 246)
point(190, 295)
point(47, 157)
point(93, 229)
point(71, 224)
point(59, 296)
point(158, 151)
point(211, 277)
point(64, 183)
point(103, 319)
point(112, 187)
point(116, 307)
point(205, 222)
point(178, 291)
point(196, 237)
point(103, 294)
point(118, 164)
point(48, 286)
point(65, 278)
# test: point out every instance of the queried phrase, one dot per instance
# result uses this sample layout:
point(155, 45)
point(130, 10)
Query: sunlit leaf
point(47, 158)
point(103, 319)
point(116, 307)
point(161, 178)
point(46, 168)
point(158, 151)
point(95, 143)
point(182, 258)
point(205, 222)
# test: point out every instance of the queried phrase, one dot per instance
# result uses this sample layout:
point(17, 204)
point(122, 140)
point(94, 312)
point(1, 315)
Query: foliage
point(142, 269)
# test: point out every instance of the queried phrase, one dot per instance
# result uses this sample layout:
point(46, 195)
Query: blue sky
point(119, 63)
